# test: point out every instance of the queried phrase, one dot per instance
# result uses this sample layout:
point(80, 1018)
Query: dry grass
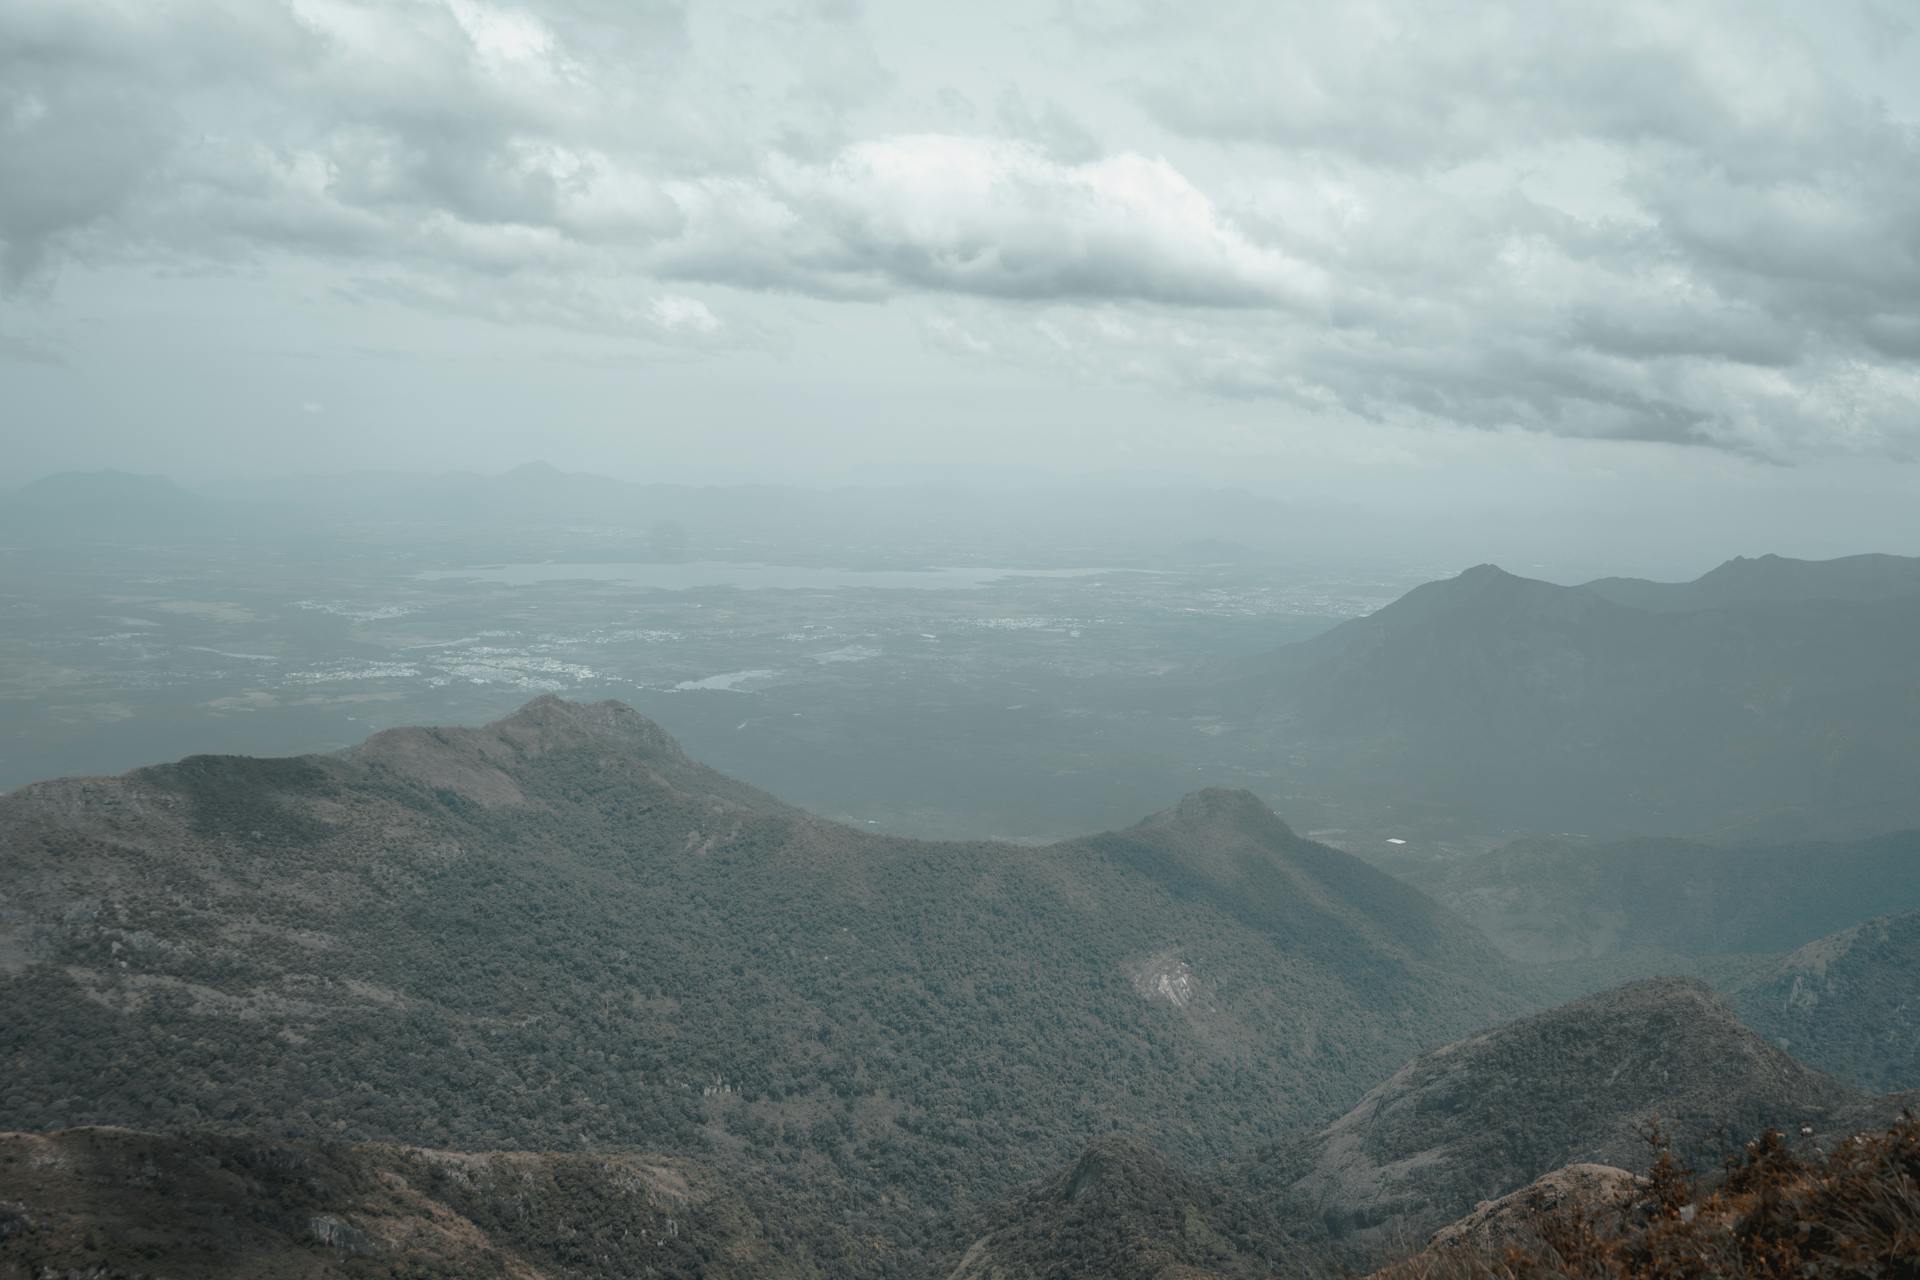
point(1854, 1211)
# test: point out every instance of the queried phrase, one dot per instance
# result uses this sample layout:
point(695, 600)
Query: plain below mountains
point(1771, 699)
point(558, 933)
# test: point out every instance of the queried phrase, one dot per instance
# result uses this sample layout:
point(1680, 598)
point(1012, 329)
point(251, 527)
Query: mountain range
point(1770, 699)
point(1586, 1084)
point(558, 933)
point(1792, 932)
point(551, 998)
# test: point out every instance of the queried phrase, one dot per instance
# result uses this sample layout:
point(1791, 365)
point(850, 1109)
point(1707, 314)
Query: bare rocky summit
point(1512, 1219)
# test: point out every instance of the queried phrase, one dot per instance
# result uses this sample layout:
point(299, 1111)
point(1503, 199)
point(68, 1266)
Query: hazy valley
point(559, 996)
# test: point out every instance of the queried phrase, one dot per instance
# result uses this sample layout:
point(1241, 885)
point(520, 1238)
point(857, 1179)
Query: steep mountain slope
point(1123, 1211)
point(1456, 1128)
point(1777, 697)
point(1548, 900)
point(1848, 1003)
point(1579, 1084)
point(560, 933)
point(109, 1203)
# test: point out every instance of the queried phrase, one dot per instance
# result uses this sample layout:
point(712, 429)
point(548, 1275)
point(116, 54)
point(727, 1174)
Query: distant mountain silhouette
point(1548, 900)
point(99, 506)
point(1772, 698)
point(1771, 580)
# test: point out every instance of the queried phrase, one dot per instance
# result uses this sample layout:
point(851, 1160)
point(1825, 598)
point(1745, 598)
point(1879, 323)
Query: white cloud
point(1634, 220)
point(981, 216)
point(673, 312)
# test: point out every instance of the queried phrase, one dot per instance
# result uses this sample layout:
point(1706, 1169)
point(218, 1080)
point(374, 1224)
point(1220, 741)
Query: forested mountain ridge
point(1771, 698)
point(1580, 1083)
point(1848, 1003)
point(559, 933)
point(1464, 1124)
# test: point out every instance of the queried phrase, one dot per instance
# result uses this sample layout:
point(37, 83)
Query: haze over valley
point(1095, 640)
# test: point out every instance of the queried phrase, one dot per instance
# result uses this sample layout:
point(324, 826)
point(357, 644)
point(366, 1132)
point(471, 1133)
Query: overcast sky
point(1524, 242)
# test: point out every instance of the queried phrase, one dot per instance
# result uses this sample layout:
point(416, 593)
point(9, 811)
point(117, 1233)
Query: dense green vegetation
point(1587, 1082)
point(1847, 1003)
point(1578, 1083)
point(560, 934)
point(1123, 1211)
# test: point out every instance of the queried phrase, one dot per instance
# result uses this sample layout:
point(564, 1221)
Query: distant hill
point(559, 933)
point(1771, 580)
point(111, 506)
point(1581, 1083)
point(1770, 699)
point(1849, 1003)
point(1464, 1124)
point(1547, 900)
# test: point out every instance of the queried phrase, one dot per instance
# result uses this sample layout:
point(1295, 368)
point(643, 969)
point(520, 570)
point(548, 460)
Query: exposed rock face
point(1165, 976)
point(1494, 1225)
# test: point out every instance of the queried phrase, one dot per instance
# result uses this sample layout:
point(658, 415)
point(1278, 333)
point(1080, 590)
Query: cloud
point(675, 314)
point(1689, 224)
point(1631, 220)
point(30, 350)
point(982, 216)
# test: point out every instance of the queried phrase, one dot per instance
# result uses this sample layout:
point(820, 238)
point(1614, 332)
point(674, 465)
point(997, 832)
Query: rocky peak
point(1216, 809)
point(550, 723)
